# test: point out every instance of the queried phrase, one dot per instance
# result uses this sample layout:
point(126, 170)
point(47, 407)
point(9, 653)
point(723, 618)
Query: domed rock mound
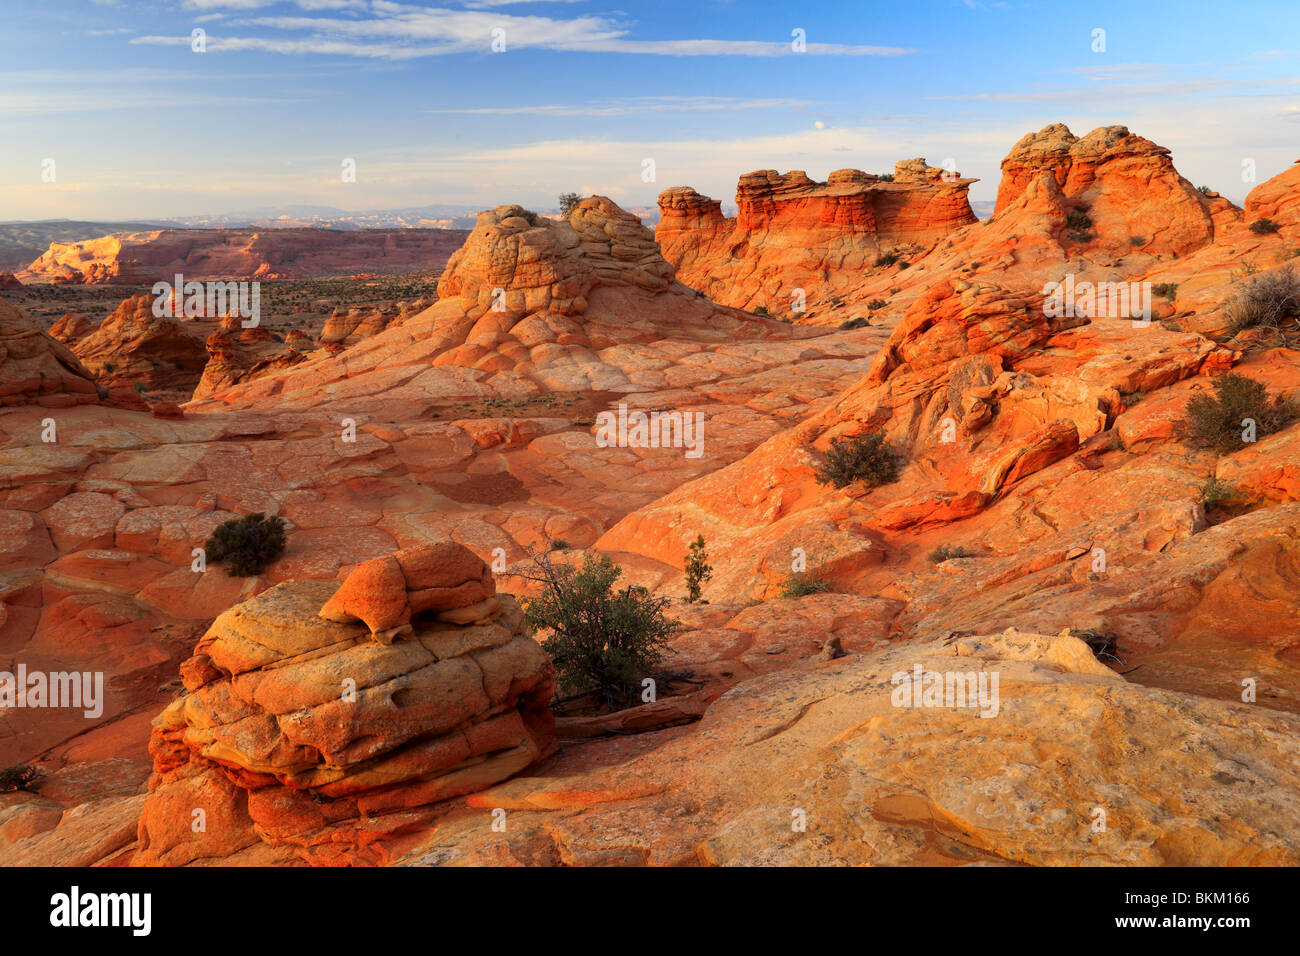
point(528, 304)
point(303, 738)
point(37, 369)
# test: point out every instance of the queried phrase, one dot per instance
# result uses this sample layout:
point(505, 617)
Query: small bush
point(602, 640)
point(1136, 241)
point(761, 310)
point(1205, 190)
point(568, 203)
point(18, 777)
point(1262, 227)
point(1271, 301)
point(903, 264)
point(248, 544)
point(1078, 225)
point(1077, 220)
point(1215, 492)
point(886, 259)
point(885, 177)
point(1166, 290)
point(875, 305)
point(560, 545)
point(866, 458)
point(698, 570)
point(944, 552)
point(140, 388)
point(802, 584)
point(1216, 421)
point(857, 323)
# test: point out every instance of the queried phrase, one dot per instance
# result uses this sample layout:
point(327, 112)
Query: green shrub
point(560, 545)
point(1216, 421)
point(602, 640)
point(802, 584)
point(1271, 301)
point(1136, 241)
point(761, 310)
point(18, 777)
point(903, 264)
point(866, 458)
point(945, 551)
point(1166, 290)
point(875, 305)
point(1205, 190)
point(858, 323)
point(1215, 492)
point(1261, 227)
point(568, 203)
point(698, 569)
point(248, 544)
point(886, 259)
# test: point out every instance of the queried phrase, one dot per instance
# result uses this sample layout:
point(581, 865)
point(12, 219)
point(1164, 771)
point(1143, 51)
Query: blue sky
point(139, 125)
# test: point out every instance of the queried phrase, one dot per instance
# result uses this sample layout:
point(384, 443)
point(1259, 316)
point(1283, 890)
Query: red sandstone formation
point(9, 281)
point(134, 346)
point(303, 739)
point(791, 233)
point(71, 327)
point(37, 369)
point(236, 354)
point(1045, 497)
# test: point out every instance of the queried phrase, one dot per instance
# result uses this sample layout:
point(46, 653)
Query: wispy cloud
point(642, 104)
point(402, 32)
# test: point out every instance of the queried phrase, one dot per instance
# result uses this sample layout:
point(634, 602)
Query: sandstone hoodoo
point(305, 739)
point(236, 354)
point(791, 232)
point(1118, 186)
point(447, 579)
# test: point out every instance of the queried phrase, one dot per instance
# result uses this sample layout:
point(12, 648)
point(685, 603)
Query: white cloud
point(641, 104)
point(401, 32)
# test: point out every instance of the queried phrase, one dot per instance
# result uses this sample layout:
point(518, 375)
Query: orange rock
point(385, 592)
point(792, 235)
point(133, 346)
point(37, 369)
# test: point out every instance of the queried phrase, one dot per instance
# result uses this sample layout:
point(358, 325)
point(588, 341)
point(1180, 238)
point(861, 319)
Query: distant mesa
point(203, 254)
